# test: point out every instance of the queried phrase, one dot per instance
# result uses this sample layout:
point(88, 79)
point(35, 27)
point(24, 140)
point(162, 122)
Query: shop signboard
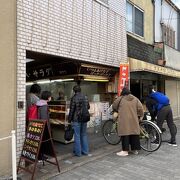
point(50, 71)
point(123, 77)
point(37, 139)
point(97, 70)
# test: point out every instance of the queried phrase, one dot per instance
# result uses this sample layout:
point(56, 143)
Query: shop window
point(134, 19)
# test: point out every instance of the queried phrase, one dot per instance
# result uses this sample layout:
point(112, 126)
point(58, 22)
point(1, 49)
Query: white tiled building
point(87, 30)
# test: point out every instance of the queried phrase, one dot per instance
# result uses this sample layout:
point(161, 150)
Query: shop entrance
point(59, 75)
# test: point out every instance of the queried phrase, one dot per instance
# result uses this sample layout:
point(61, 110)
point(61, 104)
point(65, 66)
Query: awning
point(137, 65)
point(70, 70)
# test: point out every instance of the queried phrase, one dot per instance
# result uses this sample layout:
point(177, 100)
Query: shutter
point(172, 93)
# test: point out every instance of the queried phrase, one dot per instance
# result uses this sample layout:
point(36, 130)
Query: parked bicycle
point(150, 134)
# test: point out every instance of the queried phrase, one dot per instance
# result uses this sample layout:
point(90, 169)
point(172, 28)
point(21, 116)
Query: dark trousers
point(166, 114)
point(131, 141)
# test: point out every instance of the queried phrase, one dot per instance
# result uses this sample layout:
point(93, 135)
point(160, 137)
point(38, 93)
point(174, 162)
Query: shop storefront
point(162, 78)
point(59, 75)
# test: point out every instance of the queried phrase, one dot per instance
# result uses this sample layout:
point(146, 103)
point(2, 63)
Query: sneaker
point(172, 143)
point(135, 152)
point(122, 153)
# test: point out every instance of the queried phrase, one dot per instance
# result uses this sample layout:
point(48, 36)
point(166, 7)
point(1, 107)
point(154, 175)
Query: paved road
point(163, 164)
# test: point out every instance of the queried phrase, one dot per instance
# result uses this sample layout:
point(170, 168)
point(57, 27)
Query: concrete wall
point(8, 80)
point(172, 57)
point(80, 29)
point(147, 7)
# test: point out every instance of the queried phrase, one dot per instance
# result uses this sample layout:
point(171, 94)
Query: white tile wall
point(78, 29)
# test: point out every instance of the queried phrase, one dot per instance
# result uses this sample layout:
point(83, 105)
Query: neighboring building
point(8, 67)
point(153, 50)
point(140, 41)
point(167, 35)
point(79, 39)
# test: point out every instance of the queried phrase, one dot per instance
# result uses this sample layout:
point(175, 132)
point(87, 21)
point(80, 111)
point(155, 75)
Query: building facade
point(154, 58)
point(88, 31)
point(167, 33)
point(140, 41)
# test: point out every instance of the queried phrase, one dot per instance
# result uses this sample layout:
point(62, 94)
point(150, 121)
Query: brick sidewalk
point(105, 164)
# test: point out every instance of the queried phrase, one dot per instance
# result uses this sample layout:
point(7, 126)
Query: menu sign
point(37, 142)
point(33, 139)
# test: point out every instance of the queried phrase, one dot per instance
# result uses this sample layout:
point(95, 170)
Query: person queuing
point(158, 105)
point(130, 111)
point(78, 119)
point(32, 99)
point(42, 104)
point(43, 114)
point(33, 95)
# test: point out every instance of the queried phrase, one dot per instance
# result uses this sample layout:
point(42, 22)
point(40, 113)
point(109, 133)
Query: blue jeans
point(80, 138)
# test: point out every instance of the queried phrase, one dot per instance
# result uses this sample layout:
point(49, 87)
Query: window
point(168, 36)
point(134, 19)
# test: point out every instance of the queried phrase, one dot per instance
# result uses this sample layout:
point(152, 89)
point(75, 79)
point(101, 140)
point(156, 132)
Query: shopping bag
point(69, 132)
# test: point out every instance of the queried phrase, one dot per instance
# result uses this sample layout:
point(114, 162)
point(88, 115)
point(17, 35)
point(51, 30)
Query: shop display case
point(59, 111)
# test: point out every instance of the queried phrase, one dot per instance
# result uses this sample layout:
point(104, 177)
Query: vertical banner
point(123, 77)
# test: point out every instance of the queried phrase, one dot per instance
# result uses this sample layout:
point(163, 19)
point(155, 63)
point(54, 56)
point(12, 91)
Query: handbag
point(69, 132)
point(115, 115)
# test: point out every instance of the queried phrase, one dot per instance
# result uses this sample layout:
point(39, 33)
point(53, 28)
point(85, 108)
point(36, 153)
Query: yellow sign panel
point(137, 65)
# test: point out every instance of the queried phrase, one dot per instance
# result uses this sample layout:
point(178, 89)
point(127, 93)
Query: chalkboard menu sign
point(33, 138)
point(38, 143)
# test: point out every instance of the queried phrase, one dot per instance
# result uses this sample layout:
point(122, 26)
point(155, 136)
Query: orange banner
point(123, 77)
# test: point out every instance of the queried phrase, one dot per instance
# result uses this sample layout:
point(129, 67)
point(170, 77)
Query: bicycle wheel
point(150, 136)
point(109, 131)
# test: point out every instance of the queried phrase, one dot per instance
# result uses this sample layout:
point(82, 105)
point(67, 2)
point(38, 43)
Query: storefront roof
point(137, 65)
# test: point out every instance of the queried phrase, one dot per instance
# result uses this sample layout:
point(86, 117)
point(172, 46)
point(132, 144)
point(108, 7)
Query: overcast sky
point(177, 2)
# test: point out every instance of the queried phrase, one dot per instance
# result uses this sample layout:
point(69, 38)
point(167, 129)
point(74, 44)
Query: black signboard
point(33, 139)
point(50, 71)
point(97, 71)
point(37, 144)
point(39, 72)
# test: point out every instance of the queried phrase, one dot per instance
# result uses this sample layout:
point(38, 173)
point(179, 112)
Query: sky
point(177, 3)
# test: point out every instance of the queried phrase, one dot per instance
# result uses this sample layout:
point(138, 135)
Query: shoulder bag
point(115, 114)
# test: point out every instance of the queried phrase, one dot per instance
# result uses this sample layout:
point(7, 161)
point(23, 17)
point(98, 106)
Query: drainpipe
point(153, 2)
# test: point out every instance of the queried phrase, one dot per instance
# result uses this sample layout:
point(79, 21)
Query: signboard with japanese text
point(86, 69)
point(38, 144)
point(49, 71)
point(33, 139)
point(123, 77)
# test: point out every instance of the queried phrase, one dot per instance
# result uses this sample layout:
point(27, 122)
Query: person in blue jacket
point(158, 105)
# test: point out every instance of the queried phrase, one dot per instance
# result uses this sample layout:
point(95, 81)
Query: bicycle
point(150, 134)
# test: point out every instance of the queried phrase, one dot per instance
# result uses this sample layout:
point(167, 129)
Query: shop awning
point(137, 65)
point(70, 70)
